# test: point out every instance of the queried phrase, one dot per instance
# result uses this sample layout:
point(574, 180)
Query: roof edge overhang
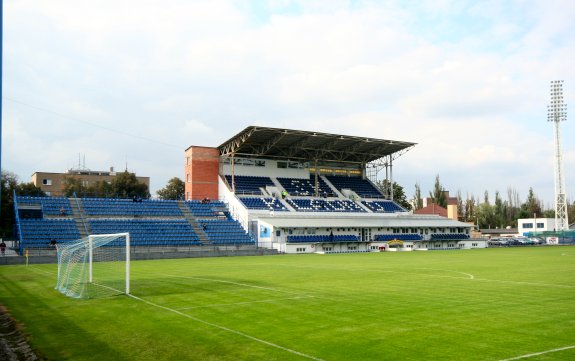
point(281, 143)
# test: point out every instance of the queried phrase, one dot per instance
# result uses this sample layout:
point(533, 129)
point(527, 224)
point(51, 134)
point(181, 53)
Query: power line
point(63, 116)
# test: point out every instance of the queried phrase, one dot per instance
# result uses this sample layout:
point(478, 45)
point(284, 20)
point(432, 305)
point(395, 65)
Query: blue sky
point(137, 82)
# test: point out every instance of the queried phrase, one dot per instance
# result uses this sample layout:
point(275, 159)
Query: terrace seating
point(149, 232)
point(249, 184)
point(362, 187)
point(449, 236)
point(383, 206)
point(201, 209)
point(322, 205)
point(37, 233)
point(323, 238)
point(128, 208)
point(149, 222)
point(51, 206)
point(225, 232)
point(305, 187)
point(266, 203)
point(401, 237)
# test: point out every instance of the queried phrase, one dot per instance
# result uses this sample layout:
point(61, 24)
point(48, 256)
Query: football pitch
point(486, 304)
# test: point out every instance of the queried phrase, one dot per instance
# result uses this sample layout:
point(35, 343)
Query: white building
point(527, 225)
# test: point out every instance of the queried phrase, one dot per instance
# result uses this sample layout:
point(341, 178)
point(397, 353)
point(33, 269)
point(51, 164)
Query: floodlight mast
point(557, 112)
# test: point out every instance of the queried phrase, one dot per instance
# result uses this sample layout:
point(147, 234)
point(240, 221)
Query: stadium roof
point(300, 145)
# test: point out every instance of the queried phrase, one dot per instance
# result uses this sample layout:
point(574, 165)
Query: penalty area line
point(539, 353)
point(226, 329)
point(248, 302)
point(237, 284)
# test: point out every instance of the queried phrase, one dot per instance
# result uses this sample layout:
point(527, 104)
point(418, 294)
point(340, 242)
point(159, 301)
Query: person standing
point(2, 247)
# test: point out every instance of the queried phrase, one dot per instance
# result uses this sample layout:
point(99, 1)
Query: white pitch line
point(43, 271)
point(247, 302)
point(526, 283)
point(228, 329)
point(447, 270)
point(539, 353)
point(235, 283)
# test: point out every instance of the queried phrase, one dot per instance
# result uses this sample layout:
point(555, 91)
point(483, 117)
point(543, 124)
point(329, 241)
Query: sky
point(133, 83)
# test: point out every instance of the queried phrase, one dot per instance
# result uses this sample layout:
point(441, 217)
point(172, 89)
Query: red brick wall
point(201, 171)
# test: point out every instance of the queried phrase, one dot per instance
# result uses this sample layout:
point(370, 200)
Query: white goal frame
point(91, 256)
point(73, 278)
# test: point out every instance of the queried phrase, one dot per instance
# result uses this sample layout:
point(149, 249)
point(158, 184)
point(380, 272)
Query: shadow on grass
point(54, 334)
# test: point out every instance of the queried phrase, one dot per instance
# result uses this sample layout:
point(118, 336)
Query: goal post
point(94, 266)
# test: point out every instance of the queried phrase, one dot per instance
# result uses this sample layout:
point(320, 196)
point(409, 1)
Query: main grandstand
point(264, 189)
point(309, 192)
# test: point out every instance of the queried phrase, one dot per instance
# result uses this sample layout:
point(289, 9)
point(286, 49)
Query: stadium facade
point(309, 192)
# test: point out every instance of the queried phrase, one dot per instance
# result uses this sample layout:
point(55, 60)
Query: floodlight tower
point(557, 112)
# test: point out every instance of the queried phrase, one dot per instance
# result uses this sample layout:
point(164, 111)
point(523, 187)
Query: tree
point(531, 207)
point(438, 194)
point(10, 185)
point(399, 195)
point(499, 211)
point(101, 189)
point(73, 185)
point(460, 209)
point(29, 189)
point(417, 200)
point(126, 185)
point(470, 209)
point(173, 190)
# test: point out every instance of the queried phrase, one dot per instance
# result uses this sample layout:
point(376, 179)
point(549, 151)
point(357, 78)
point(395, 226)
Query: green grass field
point(489, 304)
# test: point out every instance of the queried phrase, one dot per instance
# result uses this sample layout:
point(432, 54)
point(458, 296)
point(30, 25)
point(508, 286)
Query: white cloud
point(139, 82)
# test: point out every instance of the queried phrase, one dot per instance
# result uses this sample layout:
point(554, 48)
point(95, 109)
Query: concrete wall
point(154, 254)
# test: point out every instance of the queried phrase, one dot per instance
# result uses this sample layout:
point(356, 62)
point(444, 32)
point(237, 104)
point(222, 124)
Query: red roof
point(432, 209)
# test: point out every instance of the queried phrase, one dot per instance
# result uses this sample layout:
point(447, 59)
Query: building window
point(300, 249)
point(47, 182)
point(540, 225)
point(527, 225)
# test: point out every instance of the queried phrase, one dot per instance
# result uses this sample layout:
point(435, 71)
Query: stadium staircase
point(194, 223)
point(78, 214)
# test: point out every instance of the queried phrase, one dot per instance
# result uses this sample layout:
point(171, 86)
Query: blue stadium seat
point(362, 187)
point(305, 186)
point(313, 238)
point(383, 206)
point(398, 236)
point(264, 203)
point(249, 184)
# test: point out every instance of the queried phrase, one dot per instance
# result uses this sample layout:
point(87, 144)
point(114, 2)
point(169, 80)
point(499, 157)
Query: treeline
point(502, 213)
point(123, 185)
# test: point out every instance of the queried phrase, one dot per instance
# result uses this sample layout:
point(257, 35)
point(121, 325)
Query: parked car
point(494, 242)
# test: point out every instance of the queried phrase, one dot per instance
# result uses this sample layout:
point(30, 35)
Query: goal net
point(95, 266)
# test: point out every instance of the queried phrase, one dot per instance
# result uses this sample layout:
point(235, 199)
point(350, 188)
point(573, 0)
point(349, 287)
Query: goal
point(94, 266)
